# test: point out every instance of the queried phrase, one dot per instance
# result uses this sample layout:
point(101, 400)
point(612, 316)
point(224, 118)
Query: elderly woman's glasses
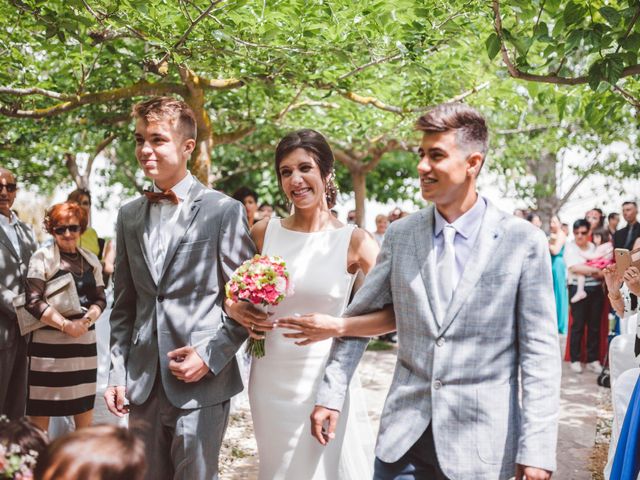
point(63, 228)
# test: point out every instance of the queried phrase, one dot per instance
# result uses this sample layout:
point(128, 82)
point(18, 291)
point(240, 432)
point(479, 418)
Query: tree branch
point(553, 79)
point(532, 129)
point(23, 92)
point(99, 148)
point(72, 102)
point(390, 58)
point(232, 137)
point(635, 101)
point(186, 33)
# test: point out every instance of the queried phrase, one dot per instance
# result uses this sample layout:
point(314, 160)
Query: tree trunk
point(546, 188)
point(200, 163)
point(359, 180)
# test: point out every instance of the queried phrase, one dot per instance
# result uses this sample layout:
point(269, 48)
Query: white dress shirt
point(162, 219)
point(9, 226)
point(467, 228)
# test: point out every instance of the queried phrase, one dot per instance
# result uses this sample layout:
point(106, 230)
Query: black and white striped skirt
point(62, 373)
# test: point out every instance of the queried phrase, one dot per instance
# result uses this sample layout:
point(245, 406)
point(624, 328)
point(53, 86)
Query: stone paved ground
point(579, 410)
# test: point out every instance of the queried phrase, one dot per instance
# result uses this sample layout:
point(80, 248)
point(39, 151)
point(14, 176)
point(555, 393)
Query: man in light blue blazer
point(475, 392)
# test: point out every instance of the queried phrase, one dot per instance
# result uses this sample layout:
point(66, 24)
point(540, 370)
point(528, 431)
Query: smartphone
point(625, 259)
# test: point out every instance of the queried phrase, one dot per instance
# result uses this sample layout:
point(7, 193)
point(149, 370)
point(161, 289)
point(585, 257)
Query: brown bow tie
point(155, 197)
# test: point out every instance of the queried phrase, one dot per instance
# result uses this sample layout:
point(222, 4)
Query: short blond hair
point(158, 109)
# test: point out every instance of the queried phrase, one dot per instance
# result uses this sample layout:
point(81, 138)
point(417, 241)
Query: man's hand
point(250, 317)
point(114, 397)
point(186, 365)
point(524, 472)
point(323, 424)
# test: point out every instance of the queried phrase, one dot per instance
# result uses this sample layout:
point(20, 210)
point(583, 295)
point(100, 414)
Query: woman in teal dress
point(557, 240)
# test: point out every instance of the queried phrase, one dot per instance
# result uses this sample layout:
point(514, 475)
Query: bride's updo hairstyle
point(316, 145)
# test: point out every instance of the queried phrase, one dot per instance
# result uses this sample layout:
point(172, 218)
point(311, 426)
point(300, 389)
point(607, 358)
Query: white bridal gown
point(283, 384)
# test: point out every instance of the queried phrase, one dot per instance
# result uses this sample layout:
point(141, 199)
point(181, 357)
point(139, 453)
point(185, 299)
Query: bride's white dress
point(283, 384)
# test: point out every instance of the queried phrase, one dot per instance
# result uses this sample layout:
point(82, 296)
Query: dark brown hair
point(24, 434)
point(76, 195)
point(158, 109)
point(103, 452)
point(603, 233)
point(317, 146)
point(60, 212)
point(470, 126)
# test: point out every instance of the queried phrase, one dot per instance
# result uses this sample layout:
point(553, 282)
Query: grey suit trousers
point(192, 436)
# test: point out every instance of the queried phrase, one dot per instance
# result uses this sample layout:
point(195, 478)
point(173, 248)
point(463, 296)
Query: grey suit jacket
point(152, 316)
point(463, 373)
point(13, 268)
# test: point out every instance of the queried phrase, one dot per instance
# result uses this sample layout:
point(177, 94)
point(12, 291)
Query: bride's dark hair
point(316, 145)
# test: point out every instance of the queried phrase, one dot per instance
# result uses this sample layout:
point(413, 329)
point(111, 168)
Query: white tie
point(446, 268)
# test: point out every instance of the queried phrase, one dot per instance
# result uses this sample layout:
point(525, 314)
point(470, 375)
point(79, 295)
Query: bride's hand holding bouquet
point(262, 281)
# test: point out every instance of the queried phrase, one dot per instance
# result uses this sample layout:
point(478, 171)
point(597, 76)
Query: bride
point(323, 257)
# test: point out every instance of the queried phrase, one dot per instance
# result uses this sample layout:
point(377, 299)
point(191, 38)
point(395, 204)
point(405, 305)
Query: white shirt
point(467, 228)
point(162, 219)
point(9, 226)
point(573, 257)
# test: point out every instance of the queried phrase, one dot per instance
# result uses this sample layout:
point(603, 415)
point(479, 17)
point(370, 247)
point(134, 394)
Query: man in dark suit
point(17, 244)
point(625, 237)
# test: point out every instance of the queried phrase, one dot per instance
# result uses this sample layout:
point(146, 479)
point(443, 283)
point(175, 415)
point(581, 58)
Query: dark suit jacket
point(620, 237)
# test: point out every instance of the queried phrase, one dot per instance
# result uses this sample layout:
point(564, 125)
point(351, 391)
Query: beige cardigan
point(45, 263)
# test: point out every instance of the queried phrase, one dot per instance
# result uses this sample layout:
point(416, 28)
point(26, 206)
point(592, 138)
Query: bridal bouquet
point(263, 281)
point(15, 465)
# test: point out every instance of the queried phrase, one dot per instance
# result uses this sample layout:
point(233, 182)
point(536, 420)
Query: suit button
point(160, 298)
point(437, 384)
point(440, 342)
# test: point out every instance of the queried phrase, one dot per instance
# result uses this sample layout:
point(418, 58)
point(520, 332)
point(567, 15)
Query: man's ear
point(189, 145)
point(474, 163)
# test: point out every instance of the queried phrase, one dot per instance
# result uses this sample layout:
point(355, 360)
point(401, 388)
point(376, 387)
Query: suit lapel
point(188, 211)
point(140, 226)
point(423, 237)
point(26, 242)
point(7, 242)
point(485, 248)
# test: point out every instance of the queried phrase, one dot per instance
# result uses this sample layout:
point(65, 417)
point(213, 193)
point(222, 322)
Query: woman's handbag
point(60, 293)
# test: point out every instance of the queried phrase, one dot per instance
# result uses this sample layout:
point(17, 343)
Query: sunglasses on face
point(63, 228)
point(580, 232)
point(11, 187)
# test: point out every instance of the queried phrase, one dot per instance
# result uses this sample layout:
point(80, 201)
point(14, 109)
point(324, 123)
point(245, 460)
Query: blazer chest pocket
point(191, 247)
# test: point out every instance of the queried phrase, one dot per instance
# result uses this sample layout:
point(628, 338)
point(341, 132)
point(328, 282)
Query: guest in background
point(249, 199)
point(600, 258)
point(613, 219)
point(595, 217)
point(557, 241)
point(62, 355)
point(103, 452)
point(89, 239)
point(586, 312)
point(395, 214)
point(625, 237)
point(351, 217)
point(565, 229)
point(17, 244)
point(265, 211)
point(626, 461)
point(534, 219)
point(518, 212)
point(382, 222)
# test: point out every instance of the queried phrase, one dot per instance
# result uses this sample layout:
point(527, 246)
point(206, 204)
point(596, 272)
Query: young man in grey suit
point(17, 244)
point(475, 392)
point(172, 345)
